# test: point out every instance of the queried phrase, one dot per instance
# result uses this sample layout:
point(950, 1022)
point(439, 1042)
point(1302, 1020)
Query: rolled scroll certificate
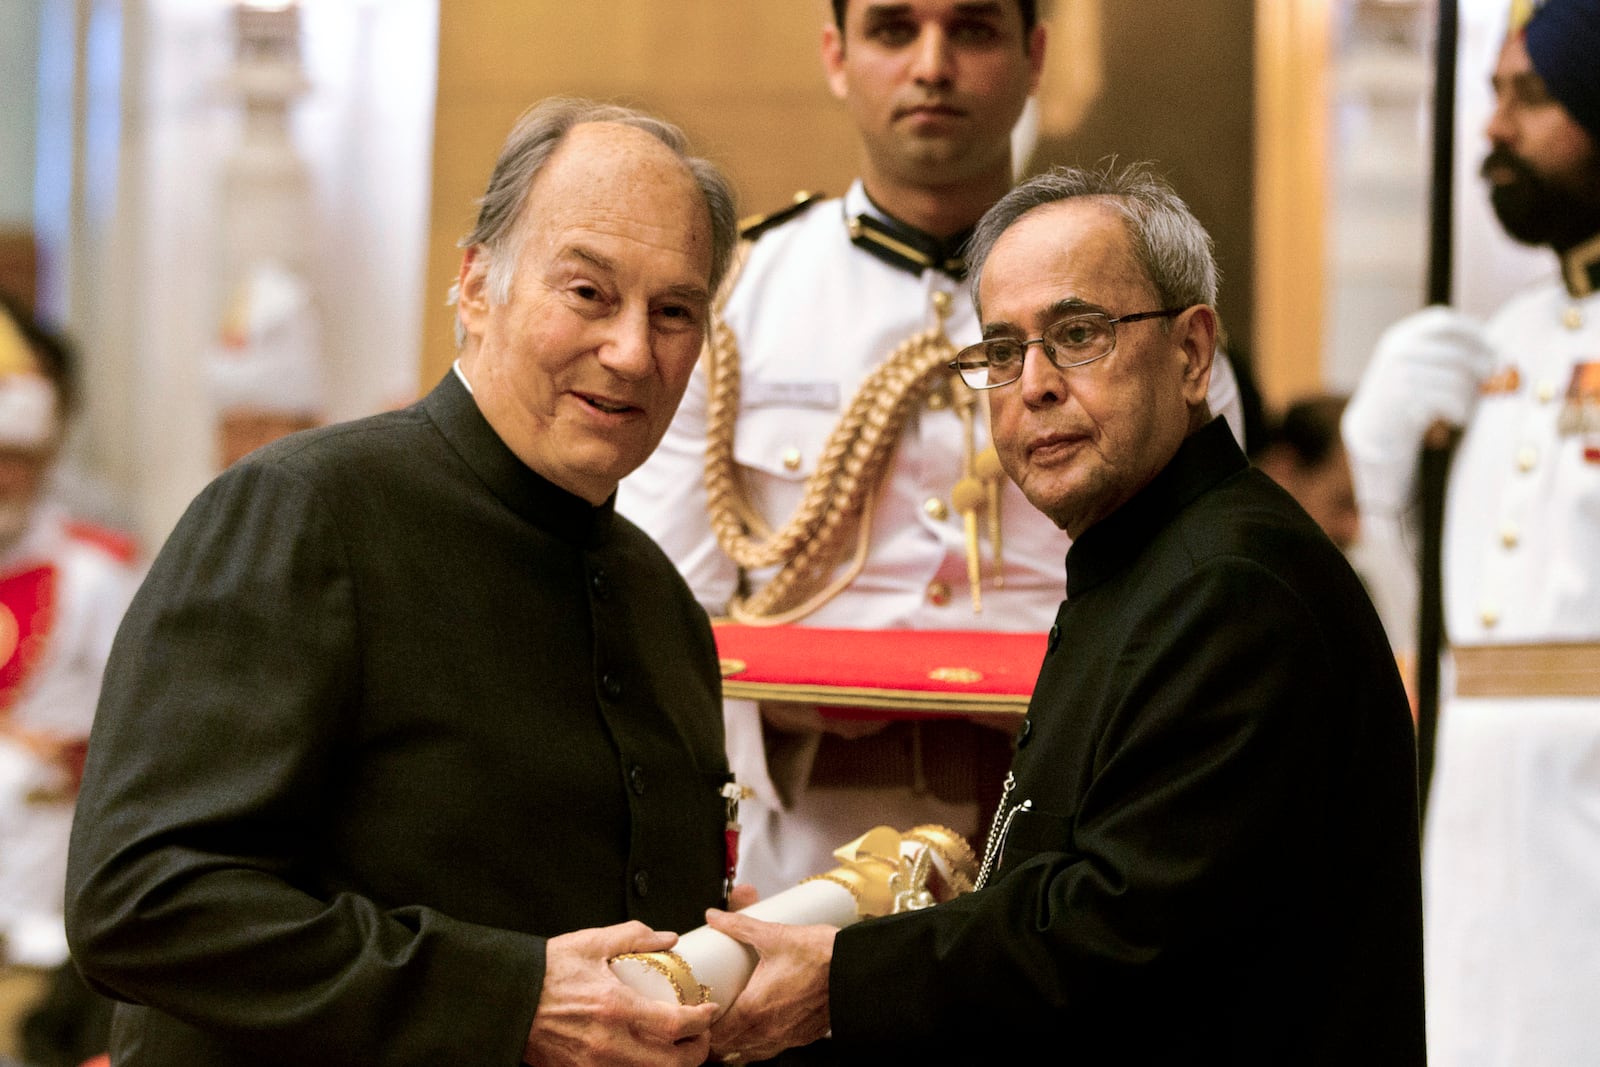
point(882, 872)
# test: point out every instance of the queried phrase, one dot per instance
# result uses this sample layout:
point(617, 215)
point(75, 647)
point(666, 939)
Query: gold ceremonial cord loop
point(843, 487)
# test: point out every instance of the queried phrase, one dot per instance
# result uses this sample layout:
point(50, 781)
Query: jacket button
point(791, 459)
point(936, 509)
point(1054, 639)
point(641, 883)
point(598, 584)
point(636, 779)
point(938, 593)
point(611, 685)
point(1024, 733)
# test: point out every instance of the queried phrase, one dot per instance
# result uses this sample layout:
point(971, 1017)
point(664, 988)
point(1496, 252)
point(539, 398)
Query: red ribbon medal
point(27, 600)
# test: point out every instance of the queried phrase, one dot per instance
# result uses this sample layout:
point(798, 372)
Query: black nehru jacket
point(390, 710)
point(1212, 856)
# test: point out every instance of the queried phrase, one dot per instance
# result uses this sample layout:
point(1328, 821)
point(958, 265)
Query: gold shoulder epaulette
point(753, 226)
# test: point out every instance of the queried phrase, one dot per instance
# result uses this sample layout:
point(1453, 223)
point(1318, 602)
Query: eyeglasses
point(1070, 342)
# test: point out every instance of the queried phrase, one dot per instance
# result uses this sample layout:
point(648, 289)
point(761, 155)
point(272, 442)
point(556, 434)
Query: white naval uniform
point(814, 315)
point(93, 586)
point(1512, 845)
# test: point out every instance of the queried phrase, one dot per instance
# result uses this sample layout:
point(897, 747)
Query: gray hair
point(1169, 243)
point(530, 145)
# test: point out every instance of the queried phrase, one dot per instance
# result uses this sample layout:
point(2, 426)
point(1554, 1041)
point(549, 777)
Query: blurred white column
point(146, 231)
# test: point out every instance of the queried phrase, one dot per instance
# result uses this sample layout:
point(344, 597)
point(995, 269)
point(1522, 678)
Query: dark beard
point(1535, 211)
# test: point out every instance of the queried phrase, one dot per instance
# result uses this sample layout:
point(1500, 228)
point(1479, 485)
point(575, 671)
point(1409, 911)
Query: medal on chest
point(27, 603)
point(1580, 411)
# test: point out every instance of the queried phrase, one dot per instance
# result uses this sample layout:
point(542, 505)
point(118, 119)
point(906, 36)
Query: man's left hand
point(785, 1003)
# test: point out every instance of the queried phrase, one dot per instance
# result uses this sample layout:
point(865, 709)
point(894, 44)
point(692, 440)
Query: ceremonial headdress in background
point(1563, 40)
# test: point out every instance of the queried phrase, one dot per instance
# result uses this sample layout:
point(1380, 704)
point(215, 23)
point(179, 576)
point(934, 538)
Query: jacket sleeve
point(1209, 788)
point(229, 701)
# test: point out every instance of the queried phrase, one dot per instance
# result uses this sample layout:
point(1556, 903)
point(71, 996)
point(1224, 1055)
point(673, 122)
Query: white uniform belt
point(1544, 670)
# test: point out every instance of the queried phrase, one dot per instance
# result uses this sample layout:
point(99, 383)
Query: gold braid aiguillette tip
point(969, 498)
point(989, 470)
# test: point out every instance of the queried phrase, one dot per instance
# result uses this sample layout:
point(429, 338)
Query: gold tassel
point(990, 473)
point(968, 498)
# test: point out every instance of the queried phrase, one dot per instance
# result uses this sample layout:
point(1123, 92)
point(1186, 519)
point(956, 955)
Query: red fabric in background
point(28, 598)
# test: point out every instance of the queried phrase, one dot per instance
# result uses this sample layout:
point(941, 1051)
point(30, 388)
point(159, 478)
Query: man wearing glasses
point(843, 302)
point(1207, 850)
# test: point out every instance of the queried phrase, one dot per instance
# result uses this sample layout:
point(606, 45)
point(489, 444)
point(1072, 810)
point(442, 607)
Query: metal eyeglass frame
point(964, 361)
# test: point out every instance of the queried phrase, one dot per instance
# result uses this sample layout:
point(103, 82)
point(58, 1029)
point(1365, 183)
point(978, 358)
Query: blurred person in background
point(63, 589)
point(1304, 453)
point(1512, 874)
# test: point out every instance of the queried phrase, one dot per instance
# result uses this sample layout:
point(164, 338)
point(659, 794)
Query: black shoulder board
point(753, 226)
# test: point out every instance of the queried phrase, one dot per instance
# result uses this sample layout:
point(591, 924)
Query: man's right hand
point(785, 1003)
point(587, 1017)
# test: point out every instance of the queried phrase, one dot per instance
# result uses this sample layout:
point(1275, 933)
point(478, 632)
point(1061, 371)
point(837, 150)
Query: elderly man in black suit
point(1207, 848)
point(389, 760)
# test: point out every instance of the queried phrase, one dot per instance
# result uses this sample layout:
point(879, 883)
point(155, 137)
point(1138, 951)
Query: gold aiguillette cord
point(990, 472)
point(968, 496)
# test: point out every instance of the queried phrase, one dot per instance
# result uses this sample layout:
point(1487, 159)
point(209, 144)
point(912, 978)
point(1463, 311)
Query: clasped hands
point(785, 1003)
point(586, 1016)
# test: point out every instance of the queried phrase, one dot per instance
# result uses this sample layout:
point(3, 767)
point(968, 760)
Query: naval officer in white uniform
point(855, 299)
point(1512, 871)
